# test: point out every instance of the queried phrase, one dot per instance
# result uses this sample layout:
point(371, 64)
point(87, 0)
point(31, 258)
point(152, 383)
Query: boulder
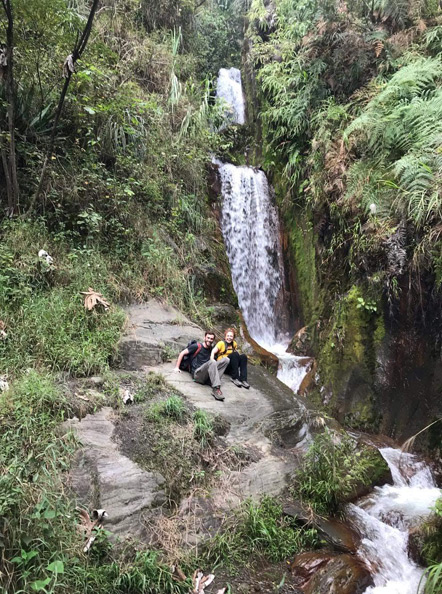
point(326, 573)
point(342, 538)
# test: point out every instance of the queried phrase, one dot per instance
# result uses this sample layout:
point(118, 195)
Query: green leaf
point(90, 110)
point(40, 584)
point(56, 567)
point(49, 514)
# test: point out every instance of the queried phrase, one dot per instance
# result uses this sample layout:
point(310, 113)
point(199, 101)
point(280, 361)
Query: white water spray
point(385, 518)
point(229, 89)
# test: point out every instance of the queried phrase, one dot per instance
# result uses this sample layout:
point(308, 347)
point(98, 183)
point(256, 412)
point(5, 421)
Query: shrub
point(202, 428)
point(331, 470)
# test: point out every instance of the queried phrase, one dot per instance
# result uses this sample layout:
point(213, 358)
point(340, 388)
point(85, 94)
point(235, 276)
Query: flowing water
point(385, 517)
point(229, 89)
point(250, 227)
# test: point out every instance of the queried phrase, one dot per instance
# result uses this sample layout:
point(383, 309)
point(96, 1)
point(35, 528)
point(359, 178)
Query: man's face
point(208, 340)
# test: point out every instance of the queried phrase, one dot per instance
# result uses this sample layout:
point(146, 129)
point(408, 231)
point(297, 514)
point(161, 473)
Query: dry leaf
point(178, 573)
point(92, 298)
point(200, 581)
point(87, 525)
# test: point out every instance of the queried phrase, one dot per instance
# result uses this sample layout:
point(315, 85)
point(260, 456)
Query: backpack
point(186, 363)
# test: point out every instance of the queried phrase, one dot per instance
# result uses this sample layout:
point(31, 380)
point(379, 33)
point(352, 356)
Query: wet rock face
point(300, 344)
point(342, 538)
point(408, 383)
point(325, 573)
point(285, 429)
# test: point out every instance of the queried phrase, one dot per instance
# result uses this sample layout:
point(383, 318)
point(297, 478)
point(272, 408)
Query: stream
point(250, 227)
point(385, 517)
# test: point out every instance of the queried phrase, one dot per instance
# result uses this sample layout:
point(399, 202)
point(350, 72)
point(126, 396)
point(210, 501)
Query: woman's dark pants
point(238, 366)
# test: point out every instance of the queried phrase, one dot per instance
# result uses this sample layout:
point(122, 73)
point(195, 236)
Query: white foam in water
point(228, 88)
point(292, 369)
point(385, 518)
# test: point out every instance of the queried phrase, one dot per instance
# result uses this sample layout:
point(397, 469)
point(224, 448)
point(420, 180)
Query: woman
point(237, 367)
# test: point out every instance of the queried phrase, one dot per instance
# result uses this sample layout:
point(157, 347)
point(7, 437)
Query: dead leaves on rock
point(201, 581)
point(92, 299)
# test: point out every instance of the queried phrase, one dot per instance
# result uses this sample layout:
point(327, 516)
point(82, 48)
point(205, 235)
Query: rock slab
point(104, 478)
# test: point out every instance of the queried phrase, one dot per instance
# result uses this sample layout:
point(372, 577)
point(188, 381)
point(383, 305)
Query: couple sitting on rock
point(208, 363)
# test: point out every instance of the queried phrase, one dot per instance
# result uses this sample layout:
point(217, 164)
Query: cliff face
point(321, 99)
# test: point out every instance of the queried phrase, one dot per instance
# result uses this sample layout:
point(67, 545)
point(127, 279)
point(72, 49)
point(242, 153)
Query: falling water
point(385, 518)
point(229, 89)
point(250, 228)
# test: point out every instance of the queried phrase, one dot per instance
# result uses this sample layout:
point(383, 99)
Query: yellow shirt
point(221, 346)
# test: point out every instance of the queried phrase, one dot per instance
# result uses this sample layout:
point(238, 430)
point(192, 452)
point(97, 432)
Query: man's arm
point(180, 358)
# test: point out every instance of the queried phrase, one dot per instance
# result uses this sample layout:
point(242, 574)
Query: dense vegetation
point(123, 204)
point(110, 179)
point(122, 208)
point(349, 113)
point(349, 103)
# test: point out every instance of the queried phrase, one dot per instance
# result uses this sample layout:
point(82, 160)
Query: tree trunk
point(68, 71)
point(11, 161)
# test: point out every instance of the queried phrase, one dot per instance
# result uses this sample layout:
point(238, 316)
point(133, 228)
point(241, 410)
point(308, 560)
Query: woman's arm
point(215, 350)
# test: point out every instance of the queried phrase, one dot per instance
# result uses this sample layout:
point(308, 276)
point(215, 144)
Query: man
point(202, 367)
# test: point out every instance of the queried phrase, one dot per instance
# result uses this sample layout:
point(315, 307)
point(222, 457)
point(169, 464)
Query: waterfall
point(250, 227)
point(384, 519)
point(229, 89)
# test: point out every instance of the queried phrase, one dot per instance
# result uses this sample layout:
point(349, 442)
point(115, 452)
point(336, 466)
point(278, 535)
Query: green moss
point(348, 354)
point(302, 242)
point(344, 345)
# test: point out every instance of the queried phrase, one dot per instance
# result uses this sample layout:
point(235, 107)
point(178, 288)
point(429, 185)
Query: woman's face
point(229, 337)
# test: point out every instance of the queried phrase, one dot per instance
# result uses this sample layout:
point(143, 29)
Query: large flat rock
point(152, 327)
point(267, 420)
point(259, 418)
point(104, 478)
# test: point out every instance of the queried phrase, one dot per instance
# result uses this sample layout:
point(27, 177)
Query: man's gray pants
point(212, 370)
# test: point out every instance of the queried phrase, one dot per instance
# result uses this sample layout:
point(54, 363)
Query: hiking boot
point(245, 385)
point(217, 394)
point(237, 383)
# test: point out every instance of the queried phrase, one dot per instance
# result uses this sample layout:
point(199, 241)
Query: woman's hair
point(230, 330)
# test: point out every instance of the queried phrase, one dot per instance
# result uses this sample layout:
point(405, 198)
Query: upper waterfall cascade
point(250, 227)
point(229, 88)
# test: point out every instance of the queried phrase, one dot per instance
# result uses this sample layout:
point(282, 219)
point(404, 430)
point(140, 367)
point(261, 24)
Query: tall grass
point(258, 529)
point(331, 470)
